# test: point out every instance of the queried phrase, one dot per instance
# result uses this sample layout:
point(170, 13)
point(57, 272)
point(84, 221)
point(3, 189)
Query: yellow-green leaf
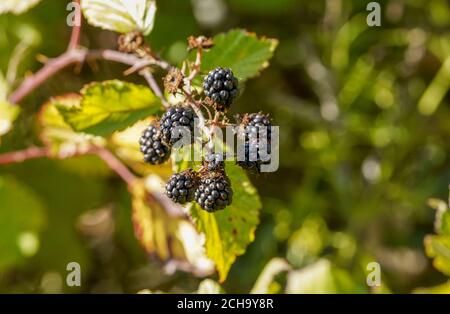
point(438, 248)
point(110, 106)
point(56, 133)
point(228, 232)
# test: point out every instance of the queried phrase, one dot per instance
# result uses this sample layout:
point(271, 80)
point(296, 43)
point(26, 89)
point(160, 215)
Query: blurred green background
point(364, 122)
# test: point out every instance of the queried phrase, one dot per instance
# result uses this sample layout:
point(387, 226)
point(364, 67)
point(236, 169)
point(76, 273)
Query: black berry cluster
point(178, 116)
point(155, 150)
point(182, 186)
point(214, 192)
point(221, 87)
point(157, 140)
point(251, 130)
point(210, 187)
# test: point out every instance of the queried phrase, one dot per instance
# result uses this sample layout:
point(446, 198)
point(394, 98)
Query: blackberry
point(214, 162)
point(221, 87)
point(181, 186)
point(214, 192)
point(254, 122)
point(252, 160)
point(178, 116)
point(154, 149)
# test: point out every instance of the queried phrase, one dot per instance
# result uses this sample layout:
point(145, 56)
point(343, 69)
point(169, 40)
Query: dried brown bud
point(200, 42)
point(173, 81)
point(131, 42)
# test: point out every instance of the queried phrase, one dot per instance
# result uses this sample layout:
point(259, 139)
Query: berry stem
point(115, 164)
point(154, 85)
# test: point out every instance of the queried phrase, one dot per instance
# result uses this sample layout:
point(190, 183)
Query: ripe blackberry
point(221, 87)
point(214, 162)
point(178, 116)
point(254, 123)
point(154, 149)
point(181, 186)
point(214, 192)
point(252, 161)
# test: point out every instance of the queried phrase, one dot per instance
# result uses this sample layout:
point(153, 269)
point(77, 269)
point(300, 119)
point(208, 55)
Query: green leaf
point(438, 248)
point(8, 113)
point(122, 16)
point(243, 52)
point(228, 232)
point(110, 106)
point(17, 6)
point(22, 216)
point(56, 133)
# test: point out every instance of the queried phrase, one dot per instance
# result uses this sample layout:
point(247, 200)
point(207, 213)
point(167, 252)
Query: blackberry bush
point(178, 116)
point(214, 192)
point(152, 146)
point(221, 87)
point(181, 187)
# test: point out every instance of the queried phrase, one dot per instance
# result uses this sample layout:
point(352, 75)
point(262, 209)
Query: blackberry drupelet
point(221, 87)
point(154, 149)
point(178, 116)
point(181, 186)
point(214, 192)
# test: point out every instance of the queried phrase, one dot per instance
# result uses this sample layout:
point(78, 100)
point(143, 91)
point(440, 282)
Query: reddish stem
point(50, 68)
point(76, 29)
point(22, 155)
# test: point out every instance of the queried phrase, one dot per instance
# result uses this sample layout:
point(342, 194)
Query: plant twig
point(50, 68)
point(115, 164)
point(22, 155)
point(154, 85)
point(71, 57)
